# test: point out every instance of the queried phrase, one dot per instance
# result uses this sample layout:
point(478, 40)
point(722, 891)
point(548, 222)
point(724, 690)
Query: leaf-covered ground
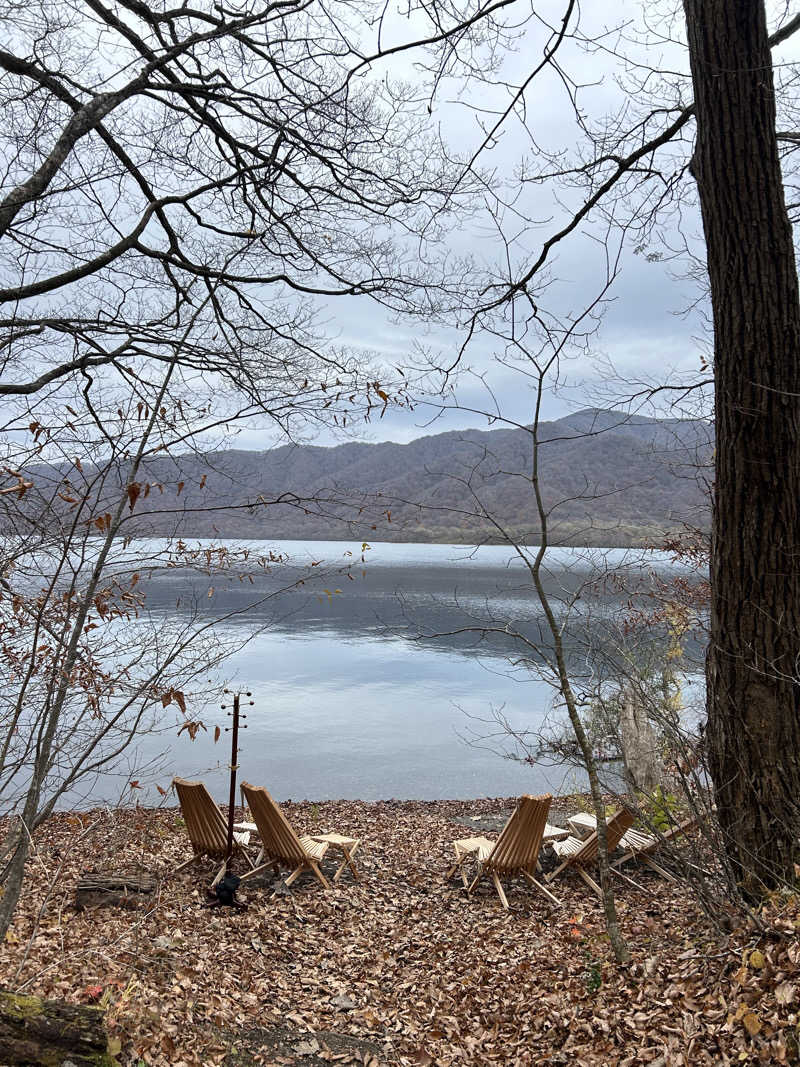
point(399, 968)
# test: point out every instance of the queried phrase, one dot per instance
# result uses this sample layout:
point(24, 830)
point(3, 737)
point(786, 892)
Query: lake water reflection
point(373, 692)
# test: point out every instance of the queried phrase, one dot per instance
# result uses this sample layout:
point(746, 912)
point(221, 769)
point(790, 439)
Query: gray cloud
point(645, 332)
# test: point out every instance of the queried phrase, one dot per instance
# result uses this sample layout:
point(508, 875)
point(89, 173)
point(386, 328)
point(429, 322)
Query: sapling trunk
point(618, 945)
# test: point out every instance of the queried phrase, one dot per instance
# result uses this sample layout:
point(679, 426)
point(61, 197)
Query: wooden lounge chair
point(640, 846)
point(281, 847)
point(206, 826)
point(514, 852)
point(581, 854)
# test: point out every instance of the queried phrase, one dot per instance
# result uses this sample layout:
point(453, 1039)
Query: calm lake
point(390, 687)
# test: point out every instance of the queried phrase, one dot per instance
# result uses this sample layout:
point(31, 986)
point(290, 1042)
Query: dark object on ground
point(108, 887)
point(279, 1043)
point(36, 1031)
point(224, 893)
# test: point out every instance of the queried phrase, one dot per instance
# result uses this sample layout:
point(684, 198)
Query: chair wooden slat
point(640, 846)
point(583, 854)
point(278, 839)
point(516, 850)
point(280, 845)
point(637, 841)
point(205, 825)
point(518, 845)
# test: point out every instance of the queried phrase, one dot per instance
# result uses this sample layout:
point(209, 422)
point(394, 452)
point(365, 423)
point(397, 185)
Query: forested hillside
point(609, 478)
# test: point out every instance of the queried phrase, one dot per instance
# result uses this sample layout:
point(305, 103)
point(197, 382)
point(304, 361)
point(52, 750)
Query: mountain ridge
point(606, 477)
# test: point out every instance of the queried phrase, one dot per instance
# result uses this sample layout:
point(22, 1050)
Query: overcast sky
point(646, 334)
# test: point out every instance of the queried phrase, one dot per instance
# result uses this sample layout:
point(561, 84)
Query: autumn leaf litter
point(398, 968)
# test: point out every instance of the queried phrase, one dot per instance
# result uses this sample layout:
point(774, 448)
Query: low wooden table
point(245, 827)
point(554, 833)
point(583, 824)
point(480, 847)
point(347, 846)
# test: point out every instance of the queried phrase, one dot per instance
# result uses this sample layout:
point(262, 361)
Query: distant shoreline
point(654, 541)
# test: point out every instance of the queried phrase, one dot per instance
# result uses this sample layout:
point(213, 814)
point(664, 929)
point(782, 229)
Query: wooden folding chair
point(206, 826)
point(515, 851)
point(640, 846)
point(582, 854)
point(281, 847)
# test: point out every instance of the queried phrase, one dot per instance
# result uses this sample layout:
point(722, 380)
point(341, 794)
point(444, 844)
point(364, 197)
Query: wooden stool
point(347, 846)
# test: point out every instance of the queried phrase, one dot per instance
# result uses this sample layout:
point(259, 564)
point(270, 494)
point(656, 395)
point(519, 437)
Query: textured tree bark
point(639, 747)
point(752, 666)
point(121, 890)
point(12, 876)
point(616, 940)
point(35, 1031)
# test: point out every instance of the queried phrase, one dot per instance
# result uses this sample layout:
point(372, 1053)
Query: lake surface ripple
point(391, 687)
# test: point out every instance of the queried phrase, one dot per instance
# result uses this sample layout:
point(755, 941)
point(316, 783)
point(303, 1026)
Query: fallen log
point(50, 1032)
point(126, 890)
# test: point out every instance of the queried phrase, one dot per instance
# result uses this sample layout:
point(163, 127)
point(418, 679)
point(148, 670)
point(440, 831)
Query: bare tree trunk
point(753, 694)
point(618, 943)
point(639, 747)
point(13, 875)
point(11, 879)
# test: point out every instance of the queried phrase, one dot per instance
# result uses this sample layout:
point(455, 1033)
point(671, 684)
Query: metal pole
point(234, 768)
